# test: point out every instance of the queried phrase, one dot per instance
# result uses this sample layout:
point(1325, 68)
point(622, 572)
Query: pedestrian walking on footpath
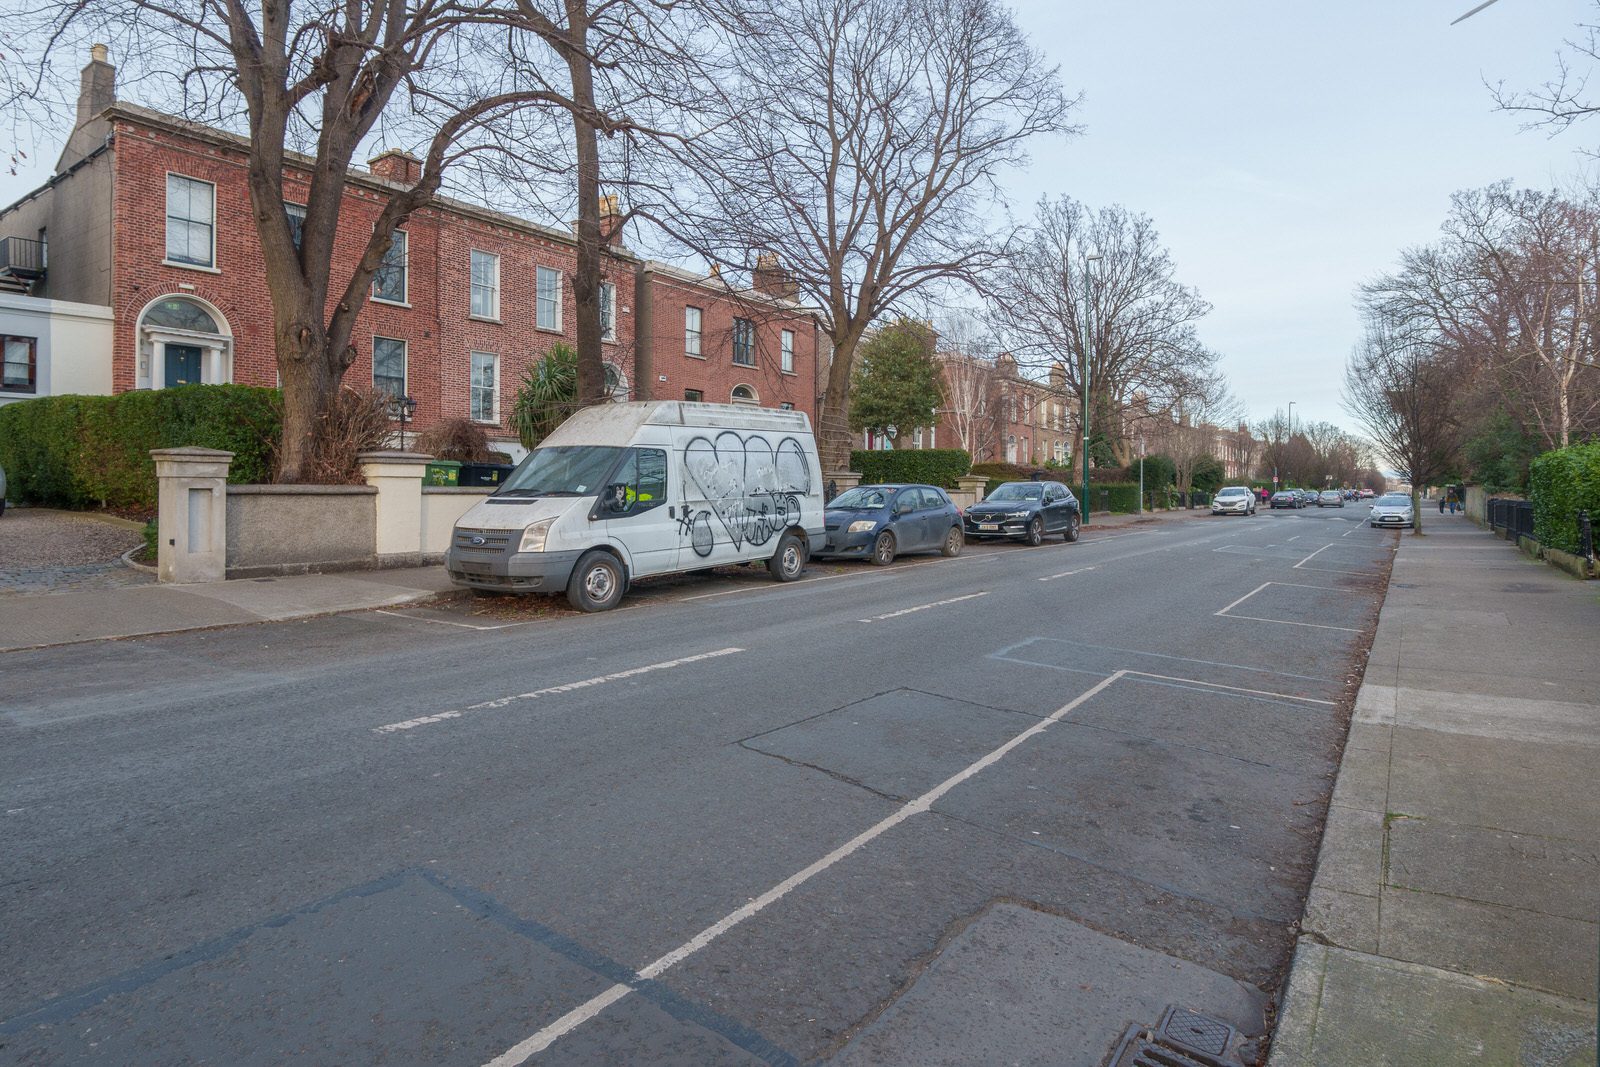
point(1441, 503)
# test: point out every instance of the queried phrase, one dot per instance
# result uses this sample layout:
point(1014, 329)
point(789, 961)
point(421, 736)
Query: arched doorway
point(183, 341)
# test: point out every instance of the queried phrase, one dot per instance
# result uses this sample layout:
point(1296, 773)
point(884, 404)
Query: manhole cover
point(1184, 1039)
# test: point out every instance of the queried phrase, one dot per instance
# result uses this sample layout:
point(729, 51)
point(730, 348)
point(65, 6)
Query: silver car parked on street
point(1392, 509)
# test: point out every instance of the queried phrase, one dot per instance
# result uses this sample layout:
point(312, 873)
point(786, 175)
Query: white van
point(624, 491)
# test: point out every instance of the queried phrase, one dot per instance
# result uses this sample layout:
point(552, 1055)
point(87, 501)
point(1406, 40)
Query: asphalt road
point(991, 809)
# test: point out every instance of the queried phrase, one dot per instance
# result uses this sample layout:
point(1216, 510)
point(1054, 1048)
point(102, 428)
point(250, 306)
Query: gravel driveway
point(46, 551)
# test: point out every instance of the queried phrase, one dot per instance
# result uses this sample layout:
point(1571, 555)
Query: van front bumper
point(512, 572)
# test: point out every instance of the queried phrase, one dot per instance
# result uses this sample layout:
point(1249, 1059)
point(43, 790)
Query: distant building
point(148, 216)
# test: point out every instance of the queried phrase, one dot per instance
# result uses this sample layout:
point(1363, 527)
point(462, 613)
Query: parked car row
point(634, 490)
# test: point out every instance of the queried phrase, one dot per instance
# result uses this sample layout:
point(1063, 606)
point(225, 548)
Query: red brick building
point(150, 216)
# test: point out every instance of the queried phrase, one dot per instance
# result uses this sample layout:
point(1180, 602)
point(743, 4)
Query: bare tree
point(862, 146)
point(1564, 99)
point(1136, 320)
point(1200, 404)
point(1275, 433)
point(313, 81)
point(1399, 385)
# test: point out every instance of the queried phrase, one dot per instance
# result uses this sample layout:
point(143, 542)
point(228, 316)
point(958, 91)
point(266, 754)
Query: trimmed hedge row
point(94, 451)
point(929, 466)
point(1560, 483)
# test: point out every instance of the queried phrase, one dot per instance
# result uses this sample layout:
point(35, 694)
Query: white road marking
point(1286, 622)
point(1242, 599)
point(500, 702)
point(1313, 555)
point(925, 607)
point(1235, 688)
point(543, 1039)
point(1065, 574)
point(449, 622)
point(1296, 537)
point(762, 588)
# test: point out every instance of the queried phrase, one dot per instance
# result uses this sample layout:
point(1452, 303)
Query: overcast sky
point(1288, 151)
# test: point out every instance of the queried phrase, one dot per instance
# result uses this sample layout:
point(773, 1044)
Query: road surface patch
point(1340, 606)
point(548, 1035)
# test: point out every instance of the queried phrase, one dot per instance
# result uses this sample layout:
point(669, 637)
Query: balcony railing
point(21, 258)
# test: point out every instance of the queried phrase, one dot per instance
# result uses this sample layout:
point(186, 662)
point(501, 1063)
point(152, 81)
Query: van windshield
point(570, 470)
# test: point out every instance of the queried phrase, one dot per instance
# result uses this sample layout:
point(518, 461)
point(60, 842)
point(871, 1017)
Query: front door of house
point(183, 364)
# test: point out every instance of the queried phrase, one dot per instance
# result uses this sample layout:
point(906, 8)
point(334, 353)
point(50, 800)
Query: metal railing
point(21, 258)
point(1515, 517)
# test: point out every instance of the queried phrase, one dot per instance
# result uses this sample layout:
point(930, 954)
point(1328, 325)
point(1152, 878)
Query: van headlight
point(533, 538)
point(863, 525)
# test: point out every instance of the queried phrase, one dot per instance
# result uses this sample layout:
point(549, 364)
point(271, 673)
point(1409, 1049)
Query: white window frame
point(608, 311)
point(540, 272)
point(404, 240)
point(755, 397)
point(493, 288)
point(166, 257)
point(786, 351)
point(473, 389)
point(697, 350)
point(405, 363)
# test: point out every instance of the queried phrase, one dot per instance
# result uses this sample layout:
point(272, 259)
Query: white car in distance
point(1234, 500)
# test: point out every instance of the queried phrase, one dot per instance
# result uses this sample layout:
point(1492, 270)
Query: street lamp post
point(1290, 439)
point(1083, 380)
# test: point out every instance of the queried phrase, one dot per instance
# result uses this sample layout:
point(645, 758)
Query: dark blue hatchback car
point(879, 522)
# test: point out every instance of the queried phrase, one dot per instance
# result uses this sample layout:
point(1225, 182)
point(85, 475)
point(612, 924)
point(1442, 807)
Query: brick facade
point(434, 319)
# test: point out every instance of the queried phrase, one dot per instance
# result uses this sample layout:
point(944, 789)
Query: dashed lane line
point(548, 691)
point(925, 607)
point(1065, 574)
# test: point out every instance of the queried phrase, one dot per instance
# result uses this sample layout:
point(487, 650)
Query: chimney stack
point(97, 89)
point(610, 219)
point(396, 166)
point(770, 279)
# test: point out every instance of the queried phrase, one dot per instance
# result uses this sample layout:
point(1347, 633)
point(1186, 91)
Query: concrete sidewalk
point(1453, 916)
point(63, 618)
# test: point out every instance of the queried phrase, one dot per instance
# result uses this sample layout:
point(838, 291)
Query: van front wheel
point(597, 583)
point(789, 560)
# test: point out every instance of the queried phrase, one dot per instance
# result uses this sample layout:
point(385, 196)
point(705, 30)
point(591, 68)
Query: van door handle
point(672, 511)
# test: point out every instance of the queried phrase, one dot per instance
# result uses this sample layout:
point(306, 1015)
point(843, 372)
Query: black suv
point(1025, 511)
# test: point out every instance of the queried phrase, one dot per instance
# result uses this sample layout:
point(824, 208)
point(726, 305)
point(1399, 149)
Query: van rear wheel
point(789, 561)
point(597, 582)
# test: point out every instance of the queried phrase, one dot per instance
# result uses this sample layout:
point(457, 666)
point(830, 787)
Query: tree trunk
point(1416, 510)
point(586, 276)
point(310, 378)
point(833, 423)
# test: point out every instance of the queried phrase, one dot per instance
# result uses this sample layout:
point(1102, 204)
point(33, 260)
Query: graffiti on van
point(751, 489)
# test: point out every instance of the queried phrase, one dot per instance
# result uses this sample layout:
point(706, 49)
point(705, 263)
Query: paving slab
point(39, 621)
point(1351, 1009)
point(1469, 771)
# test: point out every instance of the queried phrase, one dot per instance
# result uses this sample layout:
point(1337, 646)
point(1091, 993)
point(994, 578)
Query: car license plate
point(988, 526)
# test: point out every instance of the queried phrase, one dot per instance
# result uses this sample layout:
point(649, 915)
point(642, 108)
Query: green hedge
point(94, 451)
point(1560, 483)
point(930, 466)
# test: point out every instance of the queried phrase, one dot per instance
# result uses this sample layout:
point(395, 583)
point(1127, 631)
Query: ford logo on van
point(479, 539)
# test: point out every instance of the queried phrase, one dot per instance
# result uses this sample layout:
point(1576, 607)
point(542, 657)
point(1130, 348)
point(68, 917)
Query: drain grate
point(1183, 1039)
point(1199, 1032)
